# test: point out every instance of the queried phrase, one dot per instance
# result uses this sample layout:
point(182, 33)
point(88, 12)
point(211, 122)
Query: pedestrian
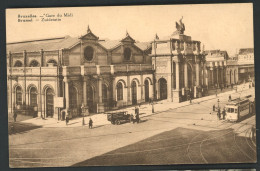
point(219, 114)
point(216, 92)
point(229, 98)
point(134, 118)
point(137, 118)
point(131, 118)
point(15, 116)
point(224, 114)
point(90, 123)
point(67, 119)
point(83, 121)
point(214, 107)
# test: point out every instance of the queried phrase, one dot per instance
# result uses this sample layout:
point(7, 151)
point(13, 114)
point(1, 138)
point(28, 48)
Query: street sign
point(58, 102)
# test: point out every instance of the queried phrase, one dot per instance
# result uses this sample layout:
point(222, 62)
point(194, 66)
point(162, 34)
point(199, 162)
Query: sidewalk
point(145, 110)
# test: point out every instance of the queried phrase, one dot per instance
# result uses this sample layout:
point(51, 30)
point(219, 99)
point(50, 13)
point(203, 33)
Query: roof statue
point(127, 34)
point(156, 36)
point(88, 31)
point(180, 27)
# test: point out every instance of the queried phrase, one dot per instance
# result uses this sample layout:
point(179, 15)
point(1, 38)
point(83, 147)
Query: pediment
point(89, 36)
point(128, 39)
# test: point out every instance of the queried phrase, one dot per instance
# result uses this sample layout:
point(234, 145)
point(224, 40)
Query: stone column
point(217, 77)
point(114, 89)
point(85, 91)
point(142, 89)
point(25, 86)
point(100, 106)
point(128, 90)
point(177, 76)
point(197, 74)
point(185, 75)
point(176, 92)
point(157, 90)
point(212, 76)
point(66, 93)
point(206, 76)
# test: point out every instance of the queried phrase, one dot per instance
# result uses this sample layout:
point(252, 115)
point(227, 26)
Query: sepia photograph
point(131, 85)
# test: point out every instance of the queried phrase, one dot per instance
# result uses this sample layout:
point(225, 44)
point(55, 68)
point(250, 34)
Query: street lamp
point(218, 103)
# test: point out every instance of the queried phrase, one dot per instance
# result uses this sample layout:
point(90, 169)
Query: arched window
point(52, 61)
point(18, 64)
point(33, 96)
point(34, 63)
point(88, 53)
point(119, 91)
point(19, 95)
point(127, 54)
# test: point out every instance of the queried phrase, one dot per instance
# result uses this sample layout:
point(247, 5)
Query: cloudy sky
point(218, 26)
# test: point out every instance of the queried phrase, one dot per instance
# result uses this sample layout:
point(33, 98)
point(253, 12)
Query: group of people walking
point(220, 114)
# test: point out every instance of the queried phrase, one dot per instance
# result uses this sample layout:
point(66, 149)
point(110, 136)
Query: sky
point(218, 26)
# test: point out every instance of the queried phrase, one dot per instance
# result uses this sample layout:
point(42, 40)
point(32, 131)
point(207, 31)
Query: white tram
point(238, 108)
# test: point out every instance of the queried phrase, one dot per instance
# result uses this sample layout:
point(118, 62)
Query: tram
point(239, 108)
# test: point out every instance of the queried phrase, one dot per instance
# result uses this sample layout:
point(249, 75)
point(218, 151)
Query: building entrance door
point(49, 103)
point(134, 93)
point(90, 99)
point(73, 100)
point(163, 88)
point(146, 90)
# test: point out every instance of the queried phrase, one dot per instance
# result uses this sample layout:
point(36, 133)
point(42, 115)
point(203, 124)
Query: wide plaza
point(176, 133)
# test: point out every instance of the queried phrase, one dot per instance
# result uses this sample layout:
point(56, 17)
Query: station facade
point(91, 75)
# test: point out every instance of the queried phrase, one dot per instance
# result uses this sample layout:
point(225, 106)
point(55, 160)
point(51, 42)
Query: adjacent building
point(245, 62)
point(179, 66)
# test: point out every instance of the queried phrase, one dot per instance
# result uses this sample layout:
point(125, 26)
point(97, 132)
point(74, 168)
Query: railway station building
point(89, 74)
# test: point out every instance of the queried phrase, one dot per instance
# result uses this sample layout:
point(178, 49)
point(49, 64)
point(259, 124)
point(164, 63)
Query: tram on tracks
point(239, 108)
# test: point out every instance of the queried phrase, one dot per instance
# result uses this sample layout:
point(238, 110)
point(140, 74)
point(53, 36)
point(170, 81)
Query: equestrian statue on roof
point(180, 27)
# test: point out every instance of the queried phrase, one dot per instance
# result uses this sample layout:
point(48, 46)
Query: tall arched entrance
point(146, 90)
point(190, 76)
point(49, 102)
point(90, 99)
point(33, 97)
point(163, 88)
point(73, 100)
point(134, 93)
point(105, 96)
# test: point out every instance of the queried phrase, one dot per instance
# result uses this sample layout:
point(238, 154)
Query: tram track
point(211, 138)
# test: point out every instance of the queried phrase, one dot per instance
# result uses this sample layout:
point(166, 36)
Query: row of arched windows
point(34, 63)
point(89, 53)
point(119, 90)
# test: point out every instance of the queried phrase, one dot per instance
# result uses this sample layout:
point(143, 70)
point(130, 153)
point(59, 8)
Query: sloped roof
point(143, 45)
point(246, 51)
point(109, 44)
point(63, 42)
point(45, 44)
point(216, 53)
